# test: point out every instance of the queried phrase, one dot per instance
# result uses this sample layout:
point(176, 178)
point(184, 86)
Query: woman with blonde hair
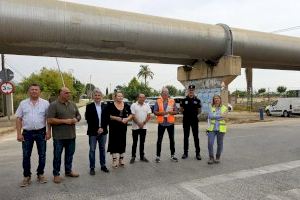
point(216, 128)
point(119, 114)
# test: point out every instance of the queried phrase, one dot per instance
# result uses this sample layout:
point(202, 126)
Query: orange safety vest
point(171, 104)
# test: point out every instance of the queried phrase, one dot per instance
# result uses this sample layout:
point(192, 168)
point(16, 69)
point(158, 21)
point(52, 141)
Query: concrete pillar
point(210, 80)
point(9, 105)
point(249, 79)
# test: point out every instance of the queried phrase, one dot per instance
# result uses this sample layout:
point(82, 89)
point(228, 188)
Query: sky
point(258, 15)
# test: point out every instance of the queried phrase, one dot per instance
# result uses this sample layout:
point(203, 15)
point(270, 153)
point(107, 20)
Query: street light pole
point(3, 95)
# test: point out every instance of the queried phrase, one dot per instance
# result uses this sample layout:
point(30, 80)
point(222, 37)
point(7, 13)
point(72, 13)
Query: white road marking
point(193, 186)
point(285, 195)
point(273, 197)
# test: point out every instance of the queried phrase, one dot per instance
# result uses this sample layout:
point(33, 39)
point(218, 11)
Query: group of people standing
point(38, 119)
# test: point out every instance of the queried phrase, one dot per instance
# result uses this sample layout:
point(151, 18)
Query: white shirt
point(99, 112)
point(140, 112)
point(33, 116)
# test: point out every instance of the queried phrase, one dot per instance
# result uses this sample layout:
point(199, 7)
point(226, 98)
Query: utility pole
point(4, 110)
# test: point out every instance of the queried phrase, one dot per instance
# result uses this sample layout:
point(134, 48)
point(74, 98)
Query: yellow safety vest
point(222, 123)
point(171, 104)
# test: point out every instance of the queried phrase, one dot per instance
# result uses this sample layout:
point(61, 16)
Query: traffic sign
point(9, 75)
point(7, 87)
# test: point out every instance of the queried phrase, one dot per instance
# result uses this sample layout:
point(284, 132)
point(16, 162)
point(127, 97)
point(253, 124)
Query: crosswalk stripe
point(193, 186)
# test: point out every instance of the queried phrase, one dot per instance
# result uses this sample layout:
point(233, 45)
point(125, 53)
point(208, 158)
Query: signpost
point(7, 87)
point(6, 75)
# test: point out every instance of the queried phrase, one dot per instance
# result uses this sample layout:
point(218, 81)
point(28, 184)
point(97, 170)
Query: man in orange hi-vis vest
point(165, 110)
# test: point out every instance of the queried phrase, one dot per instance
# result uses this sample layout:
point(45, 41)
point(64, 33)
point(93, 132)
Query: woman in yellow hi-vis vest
point(216, 128)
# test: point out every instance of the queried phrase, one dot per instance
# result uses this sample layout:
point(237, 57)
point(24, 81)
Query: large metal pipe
point(62, 29)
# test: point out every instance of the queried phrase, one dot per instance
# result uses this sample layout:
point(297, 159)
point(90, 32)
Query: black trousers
point(135, 136)
point(161, 131)
point(186, 131)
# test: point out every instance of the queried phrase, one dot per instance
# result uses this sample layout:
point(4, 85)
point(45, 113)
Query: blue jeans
point(29, 137)
point(58, 145)
point(211, 139)
point(101, 139)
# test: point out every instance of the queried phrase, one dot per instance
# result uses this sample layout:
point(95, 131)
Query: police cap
point(191, 87)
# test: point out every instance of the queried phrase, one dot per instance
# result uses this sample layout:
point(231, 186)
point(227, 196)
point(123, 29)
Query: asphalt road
point(260, 161)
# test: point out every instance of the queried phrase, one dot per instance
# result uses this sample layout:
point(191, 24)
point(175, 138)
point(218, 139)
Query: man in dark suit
point(97, 130)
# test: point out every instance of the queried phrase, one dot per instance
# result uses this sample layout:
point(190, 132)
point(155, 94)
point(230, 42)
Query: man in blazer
point(97, 130)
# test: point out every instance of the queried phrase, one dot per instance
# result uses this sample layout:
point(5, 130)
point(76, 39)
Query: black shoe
point(132, 160)
point(144, 159)
point(217, 160)
point(157, 159)
point(174, 159)
point(184, 156)
point(104, 169)
point(92, 172)
point(198, 157)
point(211, 161)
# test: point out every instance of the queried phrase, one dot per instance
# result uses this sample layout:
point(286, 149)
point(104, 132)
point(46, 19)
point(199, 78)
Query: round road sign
point(7, 87)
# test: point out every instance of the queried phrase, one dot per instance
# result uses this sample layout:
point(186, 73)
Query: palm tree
point(145, 72)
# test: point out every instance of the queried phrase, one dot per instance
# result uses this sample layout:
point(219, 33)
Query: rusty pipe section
point(63, 29)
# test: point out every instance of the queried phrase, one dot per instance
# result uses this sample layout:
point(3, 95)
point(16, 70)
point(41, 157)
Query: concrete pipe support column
point(210, 80)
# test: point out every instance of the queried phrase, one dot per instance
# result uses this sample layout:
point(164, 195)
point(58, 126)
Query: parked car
point(178, 99)
point(284, 107)
point(151, 102)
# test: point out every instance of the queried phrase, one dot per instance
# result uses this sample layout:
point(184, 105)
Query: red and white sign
point(7, 87)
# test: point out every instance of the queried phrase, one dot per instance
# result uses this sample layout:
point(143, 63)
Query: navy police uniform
point(191, 108)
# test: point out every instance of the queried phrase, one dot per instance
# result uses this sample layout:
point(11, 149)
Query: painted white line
point(294, 193)
point(273, 197)
point(285, 195)
point(193, 186)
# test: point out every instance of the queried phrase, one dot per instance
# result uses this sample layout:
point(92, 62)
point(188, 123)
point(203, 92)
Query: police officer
point(190, 107)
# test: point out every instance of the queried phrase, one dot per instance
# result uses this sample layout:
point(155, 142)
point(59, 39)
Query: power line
point(61, 76)
point(14, 69)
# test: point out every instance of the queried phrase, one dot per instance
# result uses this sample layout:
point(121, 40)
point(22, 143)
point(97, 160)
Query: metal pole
point(90, 89)
point(4, 110)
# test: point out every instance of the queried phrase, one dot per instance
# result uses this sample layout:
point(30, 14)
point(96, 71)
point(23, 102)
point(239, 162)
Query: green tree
point(89, 88)
point(79, 89)
point(239, 93)
point(261, 90)
point(172, 90)
point(145, 72)
point(133, 88)
point(181, 92)
point(119, 88)
point(291, 93)
point(50, 82)
point(281, 89)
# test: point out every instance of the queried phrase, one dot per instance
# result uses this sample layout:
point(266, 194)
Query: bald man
point(62, 116)
point(165, 110)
